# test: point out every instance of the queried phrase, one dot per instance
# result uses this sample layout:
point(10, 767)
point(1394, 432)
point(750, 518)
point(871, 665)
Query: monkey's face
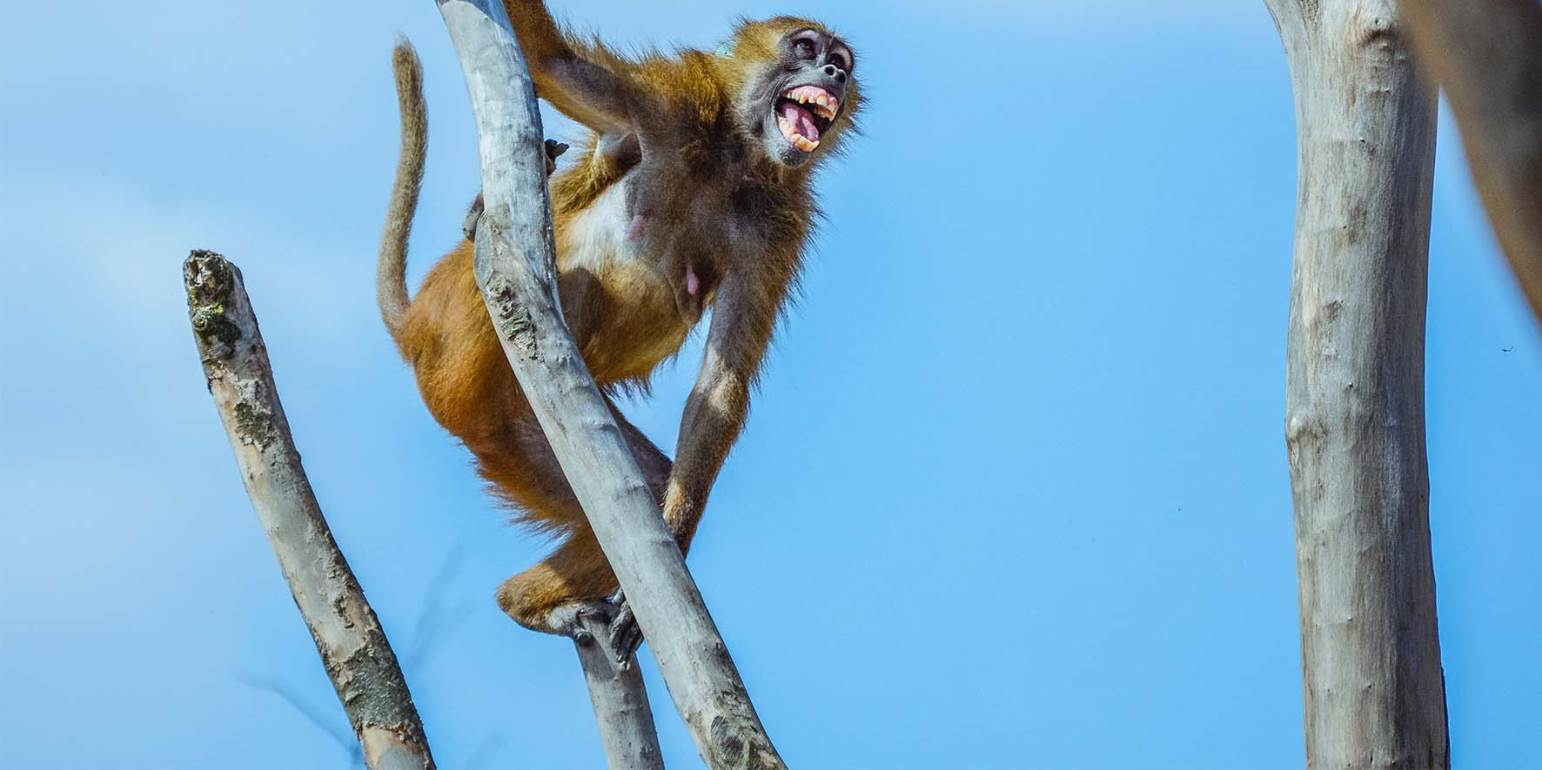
point(804, 97)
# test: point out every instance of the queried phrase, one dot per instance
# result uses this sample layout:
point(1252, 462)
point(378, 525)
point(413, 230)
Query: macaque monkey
point(693, 191)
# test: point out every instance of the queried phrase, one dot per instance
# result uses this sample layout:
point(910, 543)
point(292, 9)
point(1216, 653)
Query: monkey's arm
point(743, 320)
point(585, 82)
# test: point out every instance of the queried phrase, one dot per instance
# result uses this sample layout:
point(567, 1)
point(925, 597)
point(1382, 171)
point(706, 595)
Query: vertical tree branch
point(1375, 693)
point(1488, 56)
point(620, 701)
point(353, 647)
point(515, 267)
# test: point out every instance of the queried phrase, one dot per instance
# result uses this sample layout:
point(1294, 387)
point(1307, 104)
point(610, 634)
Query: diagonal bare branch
point(353, 647)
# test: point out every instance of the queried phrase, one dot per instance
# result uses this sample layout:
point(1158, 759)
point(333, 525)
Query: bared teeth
point(798, 140)
point(825, 104)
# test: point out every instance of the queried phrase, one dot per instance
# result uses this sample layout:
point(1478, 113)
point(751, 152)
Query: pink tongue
point(802, 120)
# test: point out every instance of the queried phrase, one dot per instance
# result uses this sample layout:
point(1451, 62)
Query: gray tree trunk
point(515, 267)
point(1375, 692)
point(353, 647)
point(1487, 54)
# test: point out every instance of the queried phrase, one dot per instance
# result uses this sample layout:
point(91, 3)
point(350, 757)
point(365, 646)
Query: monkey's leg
point(551, 596)
point(576, 579)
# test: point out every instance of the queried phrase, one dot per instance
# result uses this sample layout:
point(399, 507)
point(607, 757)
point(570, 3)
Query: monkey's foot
point(570, 620)
point(625, 635)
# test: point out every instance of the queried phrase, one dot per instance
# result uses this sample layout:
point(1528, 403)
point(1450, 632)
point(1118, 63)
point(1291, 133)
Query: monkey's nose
point(835, 72)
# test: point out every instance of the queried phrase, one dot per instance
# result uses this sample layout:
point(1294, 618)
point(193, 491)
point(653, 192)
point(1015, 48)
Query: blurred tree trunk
point(1374, 689)
point(1487, 54)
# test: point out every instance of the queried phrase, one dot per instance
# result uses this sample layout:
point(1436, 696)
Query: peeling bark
point(353, 647)
point(1375, 692)
point(515, 266)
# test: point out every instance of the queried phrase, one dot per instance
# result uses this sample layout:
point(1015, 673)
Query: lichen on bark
point(210, 280)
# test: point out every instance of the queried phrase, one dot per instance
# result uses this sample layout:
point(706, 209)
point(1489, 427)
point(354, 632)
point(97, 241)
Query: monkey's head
point(798, 89)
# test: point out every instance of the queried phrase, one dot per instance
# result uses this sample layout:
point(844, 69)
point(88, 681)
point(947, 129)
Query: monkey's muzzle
point(805, 113)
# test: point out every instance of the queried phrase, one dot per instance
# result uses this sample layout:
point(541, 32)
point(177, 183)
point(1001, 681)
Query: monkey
point(693, 191)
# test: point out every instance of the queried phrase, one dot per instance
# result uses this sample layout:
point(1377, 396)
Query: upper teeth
point(825, 105)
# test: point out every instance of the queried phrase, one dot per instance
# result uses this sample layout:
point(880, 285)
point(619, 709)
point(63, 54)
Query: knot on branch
point(1311, 10)
point(1377, 30)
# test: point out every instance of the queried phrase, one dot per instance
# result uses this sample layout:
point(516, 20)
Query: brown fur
point(678, 137)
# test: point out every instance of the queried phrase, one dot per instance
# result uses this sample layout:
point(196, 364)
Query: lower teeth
point(798, 140)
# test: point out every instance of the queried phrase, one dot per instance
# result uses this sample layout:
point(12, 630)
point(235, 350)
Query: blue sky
point(1014, 494)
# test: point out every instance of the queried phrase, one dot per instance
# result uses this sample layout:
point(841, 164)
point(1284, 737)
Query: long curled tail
point(392, 276)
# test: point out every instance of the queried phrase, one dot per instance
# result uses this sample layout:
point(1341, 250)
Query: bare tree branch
point(1488, 56)
point(515, 267)
point(620, 701)
point(1375, 692)
point(353, 647)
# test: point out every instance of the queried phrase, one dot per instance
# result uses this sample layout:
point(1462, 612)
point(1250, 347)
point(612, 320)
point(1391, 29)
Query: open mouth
point(804, 114)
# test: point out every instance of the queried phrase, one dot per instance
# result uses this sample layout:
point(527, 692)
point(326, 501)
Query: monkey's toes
point(625, 635)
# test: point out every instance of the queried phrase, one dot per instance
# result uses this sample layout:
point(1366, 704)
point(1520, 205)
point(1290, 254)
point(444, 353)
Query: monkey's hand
point(554, 150)
point(625, 635)
point(473, 218)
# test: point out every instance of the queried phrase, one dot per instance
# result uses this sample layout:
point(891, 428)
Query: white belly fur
point(598, 235)
point(642, 324)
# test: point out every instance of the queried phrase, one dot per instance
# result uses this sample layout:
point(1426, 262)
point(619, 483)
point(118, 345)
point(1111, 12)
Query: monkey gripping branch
point(515, 268)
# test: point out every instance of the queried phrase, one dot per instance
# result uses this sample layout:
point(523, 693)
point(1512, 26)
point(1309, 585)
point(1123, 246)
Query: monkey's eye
point(840, 59)
point(803, 47)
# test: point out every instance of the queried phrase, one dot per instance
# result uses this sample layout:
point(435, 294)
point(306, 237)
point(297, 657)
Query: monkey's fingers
point(554, 150)
point(473, 218)
point(625, 635)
